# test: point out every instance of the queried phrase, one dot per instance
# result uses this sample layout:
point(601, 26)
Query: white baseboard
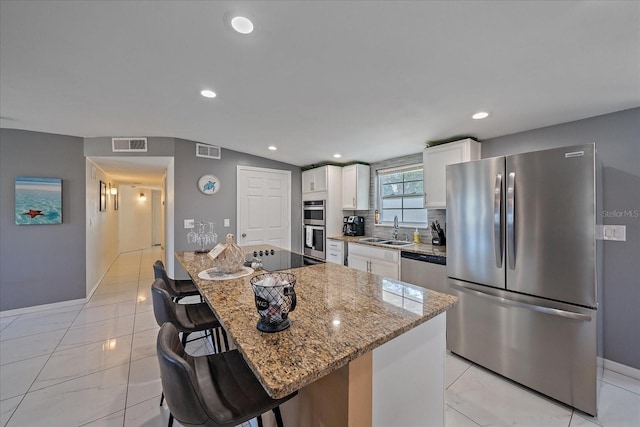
point(37, 308)
point(622, 369)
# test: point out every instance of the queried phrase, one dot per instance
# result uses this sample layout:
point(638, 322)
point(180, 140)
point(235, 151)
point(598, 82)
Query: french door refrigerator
point(521, 256)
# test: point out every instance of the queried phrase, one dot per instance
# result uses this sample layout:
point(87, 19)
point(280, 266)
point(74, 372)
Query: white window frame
point(380, 197)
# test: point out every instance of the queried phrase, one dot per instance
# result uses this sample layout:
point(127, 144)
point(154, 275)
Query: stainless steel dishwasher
point(428, 271)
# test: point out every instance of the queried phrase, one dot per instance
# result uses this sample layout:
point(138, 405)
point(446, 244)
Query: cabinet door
point(320, 178)
point(307, 181)
point(358, 262)
point(435, 161)
point(349, 176)
point(385, 269)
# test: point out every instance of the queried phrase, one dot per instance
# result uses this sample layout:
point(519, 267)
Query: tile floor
point(94, 364)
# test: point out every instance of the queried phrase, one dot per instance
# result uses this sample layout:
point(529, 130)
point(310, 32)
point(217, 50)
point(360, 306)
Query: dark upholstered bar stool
point(217, 390)
point(187, 318)
point(178, 289)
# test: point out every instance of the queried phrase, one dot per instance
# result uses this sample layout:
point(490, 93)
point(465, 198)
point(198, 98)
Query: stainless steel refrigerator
point(521, 256)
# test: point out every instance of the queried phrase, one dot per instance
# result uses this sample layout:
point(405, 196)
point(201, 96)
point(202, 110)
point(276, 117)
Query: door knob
point(244, 234)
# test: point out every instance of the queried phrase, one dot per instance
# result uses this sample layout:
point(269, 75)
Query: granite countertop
point(421, 248)
point(342, 313)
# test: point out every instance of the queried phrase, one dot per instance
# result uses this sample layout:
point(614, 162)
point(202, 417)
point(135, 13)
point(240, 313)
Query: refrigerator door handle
point(538, 308)
point(497, 221)
point(511, 207)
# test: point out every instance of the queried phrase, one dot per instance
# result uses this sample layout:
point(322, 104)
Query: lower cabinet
point(383, 262)
point(335, 251)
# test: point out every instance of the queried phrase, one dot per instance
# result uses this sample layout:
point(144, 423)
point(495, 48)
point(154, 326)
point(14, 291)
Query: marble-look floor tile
point(95, 314)
point(455, 366)
point(144, 381)
point(74, 307)
point(30, 325)
point(117, 286)
point(113, 420)
point(112, 298)
point(617, 407)
point(17, 377)
point(148, 413)
point(74, 402)
point(453, 418)
point(144, 321)
point(7, 408)
point(622, 381)
point(17, 349)
point(97, 332)
point(6, 321)
point(83, 360)
point(490, 400)
point(144, 344)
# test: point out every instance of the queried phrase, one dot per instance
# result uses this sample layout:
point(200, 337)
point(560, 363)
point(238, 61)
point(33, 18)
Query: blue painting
point(38, 200)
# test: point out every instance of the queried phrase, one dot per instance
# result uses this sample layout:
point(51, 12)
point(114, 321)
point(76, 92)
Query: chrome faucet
point(394, 233)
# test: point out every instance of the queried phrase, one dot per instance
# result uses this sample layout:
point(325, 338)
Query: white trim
point(622, 369)
point(43, 307)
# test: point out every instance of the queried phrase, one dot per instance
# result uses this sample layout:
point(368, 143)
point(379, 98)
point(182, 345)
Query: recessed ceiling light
point(272, 147)
point(480, 115)
point(208, 93)
point(337, 155)
point(242, 25)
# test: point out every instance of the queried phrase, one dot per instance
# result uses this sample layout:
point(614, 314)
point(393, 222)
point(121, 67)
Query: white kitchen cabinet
point(335, 251)
point(355, 187)
point(383, 262)
point(314, 180)
point(435, 160)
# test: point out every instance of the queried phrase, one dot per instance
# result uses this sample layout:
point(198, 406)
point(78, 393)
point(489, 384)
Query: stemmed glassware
point(203, 237)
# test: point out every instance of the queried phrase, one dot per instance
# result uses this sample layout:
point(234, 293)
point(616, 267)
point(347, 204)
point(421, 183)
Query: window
point(401, 193)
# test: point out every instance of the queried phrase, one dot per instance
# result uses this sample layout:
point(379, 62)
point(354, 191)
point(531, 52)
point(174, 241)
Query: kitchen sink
point(396, 243)
point(374, 240)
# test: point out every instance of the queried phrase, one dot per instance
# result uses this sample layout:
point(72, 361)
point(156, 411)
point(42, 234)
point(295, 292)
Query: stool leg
point(276, 412)
point(170, 420)
point(226, 340)
point(162, 398)
point(184, 338)
point(259, 418)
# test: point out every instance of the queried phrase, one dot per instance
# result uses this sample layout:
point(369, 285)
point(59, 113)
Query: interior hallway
point(95, 364)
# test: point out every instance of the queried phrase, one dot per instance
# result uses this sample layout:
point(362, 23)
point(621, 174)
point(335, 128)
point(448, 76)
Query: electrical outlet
point(226, 222)
point(189, 223)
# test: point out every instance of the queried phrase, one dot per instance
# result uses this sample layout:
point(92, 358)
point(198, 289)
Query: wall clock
point(209, 184)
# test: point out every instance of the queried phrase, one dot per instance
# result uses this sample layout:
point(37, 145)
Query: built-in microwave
point(313, 212)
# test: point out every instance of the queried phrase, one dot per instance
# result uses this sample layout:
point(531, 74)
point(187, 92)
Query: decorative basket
point(231, 259)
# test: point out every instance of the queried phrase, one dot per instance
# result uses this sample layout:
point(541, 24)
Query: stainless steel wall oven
point(314, 222)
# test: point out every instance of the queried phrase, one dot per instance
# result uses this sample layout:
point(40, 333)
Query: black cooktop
point(275, 260)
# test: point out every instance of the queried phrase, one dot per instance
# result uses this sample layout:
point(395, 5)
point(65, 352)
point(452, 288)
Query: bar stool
point(178, 289)
point(217, 390)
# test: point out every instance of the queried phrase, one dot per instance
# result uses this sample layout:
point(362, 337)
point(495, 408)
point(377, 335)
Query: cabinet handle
point(354, 201)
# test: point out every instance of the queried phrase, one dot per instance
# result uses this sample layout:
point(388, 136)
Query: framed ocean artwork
point(103, 196)
point(38, 200)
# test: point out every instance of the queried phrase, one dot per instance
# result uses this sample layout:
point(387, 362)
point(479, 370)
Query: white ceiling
point(369, 80)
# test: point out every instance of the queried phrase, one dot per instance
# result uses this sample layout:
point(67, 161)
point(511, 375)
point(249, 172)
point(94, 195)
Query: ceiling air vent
point(208, 151)
point(129, 145)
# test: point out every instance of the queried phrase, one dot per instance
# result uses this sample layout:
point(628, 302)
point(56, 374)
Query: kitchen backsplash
point(371, 229)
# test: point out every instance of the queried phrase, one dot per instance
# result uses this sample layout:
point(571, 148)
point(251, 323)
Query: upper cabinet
point(355, 187)
point(435, 161)
point(314, 180)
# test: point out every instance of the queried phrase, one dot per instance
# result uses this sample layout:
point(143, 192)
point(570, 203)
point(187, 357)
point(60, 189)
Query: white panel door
point(264, 207)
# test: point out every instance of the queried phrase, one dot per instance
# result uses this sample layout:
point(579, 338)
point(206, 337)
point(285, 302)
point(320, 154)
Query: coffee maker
point(353, 226)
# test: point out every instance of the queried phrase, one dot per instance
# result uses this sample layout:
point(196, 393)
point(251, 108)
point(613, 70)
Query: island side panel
point(408, 377)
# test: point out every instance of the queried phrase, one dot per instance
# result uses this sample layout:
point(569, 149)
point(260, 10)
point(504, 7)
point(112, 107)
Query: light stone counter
point(341, 314)
point(422, 248)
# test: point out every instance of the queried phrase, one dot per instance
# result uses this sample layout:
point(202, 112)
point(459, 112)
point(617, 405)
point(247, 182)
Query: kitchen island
point(362, 350)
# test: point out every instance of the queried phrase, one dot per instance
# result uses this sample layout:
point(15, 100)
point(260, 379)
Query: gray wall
point(617, 138)
point(190, 203)
point(41, 264)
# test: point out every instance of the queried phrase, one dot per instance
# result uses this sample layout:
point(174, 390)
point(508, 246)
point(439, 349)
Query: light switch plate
point(189, 223)
point(614, 232)
point(226, 222)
